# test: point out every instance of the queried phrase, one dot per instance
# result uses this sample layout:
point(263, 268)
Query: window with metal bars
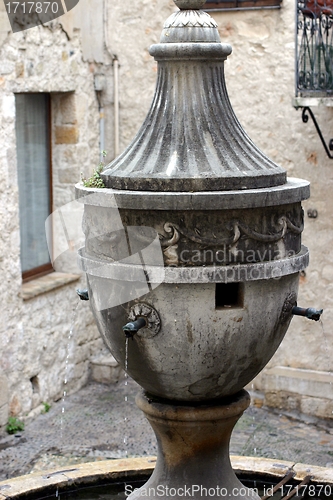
point(241, 4)
point(314, 48)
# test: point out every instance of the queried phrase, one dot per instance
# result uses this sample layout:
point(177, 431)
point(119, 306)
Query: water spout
point(310, 312)
point(83, 294)
point(131, 328)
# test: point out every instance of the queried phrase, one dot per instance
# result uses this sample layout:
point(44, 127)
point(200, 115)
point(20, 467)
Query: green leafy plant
point(14, 425)
point(95, 181)
point(46, 408)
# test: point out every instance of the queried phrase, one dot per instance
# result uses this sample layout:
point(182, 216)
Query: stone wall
point(63, 58)
point(260, 81)
point(37, 350)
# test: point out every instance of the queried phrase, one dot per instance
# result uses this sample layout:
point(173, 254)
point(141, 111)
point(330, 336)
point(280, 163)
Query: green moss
point(14, 425)
point(46, 408)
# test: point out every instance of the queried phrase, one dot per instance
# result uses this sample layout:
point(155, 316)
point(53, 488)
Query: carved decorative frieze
point(236, 229)
point(190, 18)
point(192, 238)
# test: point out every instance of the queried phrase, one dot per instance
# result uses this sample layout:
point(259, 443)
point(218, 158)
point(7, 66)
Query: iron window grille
point(314, 48)
point(241, 4)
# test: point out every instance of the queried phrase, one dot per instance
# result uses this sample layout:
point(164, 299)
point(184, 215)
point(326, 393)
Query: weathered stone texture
point(66, 134)
point(135, 27)
point(105, 370)
point(4, 399)
point(260, 79)
point(295, 389)
point(37, 350)
point(260, 82)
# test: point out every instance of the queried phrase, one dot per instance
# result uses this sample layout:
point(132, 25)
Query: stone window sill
point(309, 102)
point(46, 283)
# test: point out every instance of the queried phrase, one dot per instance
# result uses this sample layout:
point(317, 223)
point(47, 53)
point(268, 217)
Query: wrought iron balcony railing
point(241, 4)
point(314, 48)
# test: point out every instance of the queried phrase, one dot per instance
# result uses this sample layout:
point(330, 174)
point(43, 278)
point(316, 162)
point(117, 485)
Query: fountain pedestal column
point(193, 448)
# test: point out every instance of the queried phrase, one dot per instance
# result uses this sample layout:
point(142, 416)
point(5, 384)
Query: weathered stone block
point(322, 408)
point(106, 370)
point(68, 175)
point(299, 381)
point(3, 415)
point(3, 390)
point(15, 406)
point(6, 68)
point(66, 134)
point(80, 371)
point(19, 69)
point(81, 353)
point(67, 109)
point(281, 400)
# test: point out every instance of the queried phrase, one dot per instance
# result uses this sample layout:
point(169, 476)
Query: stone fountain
point(193, 253)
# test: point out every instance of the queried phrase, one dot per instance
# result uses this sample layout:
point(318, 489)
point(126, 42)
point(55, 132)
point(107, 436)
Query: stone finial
point(189, 4)
point(202, 146)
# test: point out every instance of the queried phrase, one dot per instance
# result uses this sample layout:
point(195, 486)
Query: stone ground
point(92, 427)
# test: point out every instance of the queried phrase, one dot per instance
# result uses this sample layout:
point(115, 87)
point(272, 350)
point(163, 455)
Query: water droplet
point(126, 396)
point(327, 347)
point(71, 331)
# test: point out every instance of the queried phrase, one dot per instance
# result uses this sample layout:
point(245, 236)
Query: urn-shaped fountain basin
point(192, 255)
point(201, 351)
point(210, 328)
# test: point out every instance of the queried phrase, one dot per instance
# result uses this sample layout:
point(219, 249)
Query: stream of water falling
point(126, 395)
point(64, 394)
point(126, 400)
point(328, 350)
point(69, 338)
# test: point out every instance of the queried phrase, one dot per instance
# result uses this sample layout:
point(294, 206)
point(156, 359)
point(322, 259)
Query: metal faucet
point(310, 312)
point(83, 294)
point(131, 328)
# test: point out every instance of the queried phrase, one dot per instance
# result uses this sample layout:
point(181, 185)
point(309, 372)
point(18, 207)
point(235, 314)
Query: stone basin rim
point(93, 472)
point(232, 273)
point(294, 191)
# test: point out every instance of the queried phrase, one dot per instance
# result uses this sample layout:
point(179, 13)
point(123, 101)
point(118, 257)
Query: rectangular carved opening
point(228, 295)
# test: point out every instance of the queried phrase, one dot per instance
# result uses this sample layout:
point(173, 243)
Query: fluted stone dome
point(191, 139)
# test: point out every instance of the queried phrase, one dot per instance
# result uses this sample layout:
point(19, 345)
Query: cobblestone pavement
point(92, 427)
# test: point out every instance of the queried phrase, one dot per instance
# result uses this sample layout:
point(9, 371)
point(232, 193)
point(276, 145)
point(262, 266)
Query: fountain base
point(193, 448)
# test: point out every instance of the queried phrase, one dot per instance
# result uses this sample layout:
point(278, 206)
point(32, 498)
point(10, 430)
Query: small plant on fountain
point(95, 181)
